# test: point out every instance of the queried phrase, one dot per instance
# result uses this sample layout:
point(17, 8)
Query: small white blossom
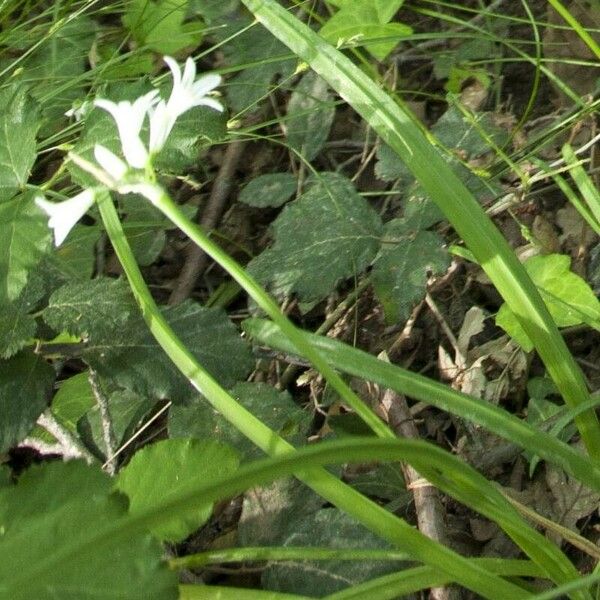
point(186, 94)
point(64, 215)
point(110, 162)
point(129, 118)
point(151, 191)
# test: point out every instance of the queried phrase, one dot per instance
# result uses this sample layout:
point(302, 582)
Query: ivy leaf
point(272, 189)
point(17, 326)
point(170, 468)
point(328, 234)
point(568, 297)
point(24, 239)
point(365, 19)
point(19, 123)
point(59, 510)
point(310, 113)
point(25, 384)
point(275, 409)
point(408, 256)
point(161, 25)
point(332, 528)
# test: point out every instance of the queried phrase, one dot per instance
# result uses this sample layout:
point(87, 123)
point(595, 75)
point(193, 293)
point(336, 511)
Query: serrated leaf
point(24, 239)
point(170, 468)
point(273, 189)
point(275, 409)
point(364, 20)
point(17, 326)
point(25, 384)
point(310, 113)
point(96, 309)
point(72, 400)
point(332, 528)
point(137, 362)
point(568, 297)
point(400, 273)
point(161, 25)
point(144, 229)
point(76, 257)
point(58, 510)
point(19, 123)
point(328, 234)
point(390, 166)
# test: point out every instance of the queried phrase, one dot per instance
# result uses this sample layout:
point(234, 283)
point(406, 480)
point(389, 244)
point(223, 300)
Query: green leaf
point(76, 257)
point(568, 297)
point(25, 384)
point(275, 409)
point(364, 20)
point(310, 113)
point(72, 400)
point(145, 229)
point(273, 189)
point(96, 309)
point(19, 123)
point(161, 25)
point(466, 135)
point(168, 469)
point(332, 528)
point(61, 509)
point(17, 326)
point(55, 69)
point(24, 238)
point(408, 257)
point(328, 234)
point(122, 350)
point(256, 52)
point(390, 166)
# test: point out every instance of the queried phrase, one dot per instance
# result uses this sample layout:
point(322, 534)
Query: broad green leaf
point(24, 239)
point(275, 409)
point(76, 257)
point(169, 468)
point(160, 25)
point(61, 509)
point(127, 411)
point(408, 257)
point(389, 166)
point(273, 189)
point(145, 229)
point(256, 52)
point(96, 309)
point(17, 325)
point(568, 297)
point(364, 20)
point(268, 512)
point(332, 528)
point(328, 234)
point(310, 113)
point(467, 134)
point(55, 69)
point(25, 383)
point(72, 400)
point(119, 346)
point(19, 123)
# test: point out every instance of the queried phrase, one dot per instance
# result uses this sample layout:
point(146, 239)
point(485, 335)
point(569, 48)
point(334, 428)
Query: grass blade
point(394, 123)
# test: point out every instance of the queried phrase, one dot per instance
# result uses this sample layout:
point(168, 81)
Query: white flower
point(186, 94)
point(150, 191)
point(64, 215)
point(110, 162)
point(129, 118)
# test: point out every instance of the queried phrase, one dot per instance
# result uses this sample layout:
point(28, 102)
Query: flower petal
point(64, 215)
point(110, 162)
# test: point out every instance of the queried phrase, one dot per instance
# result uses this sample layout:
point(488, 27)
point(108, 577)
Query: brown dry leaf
point(577, 235)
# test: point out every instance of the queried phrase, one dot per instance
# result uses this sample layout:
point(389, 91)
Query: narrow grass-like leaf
point(360, 364)
point(219, 592)
point(372, 516)
point(394, 123)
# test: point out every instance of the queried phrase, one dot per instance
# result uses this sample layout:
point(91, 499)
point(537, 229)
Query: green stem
point(372, 516)
point(398, 127)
